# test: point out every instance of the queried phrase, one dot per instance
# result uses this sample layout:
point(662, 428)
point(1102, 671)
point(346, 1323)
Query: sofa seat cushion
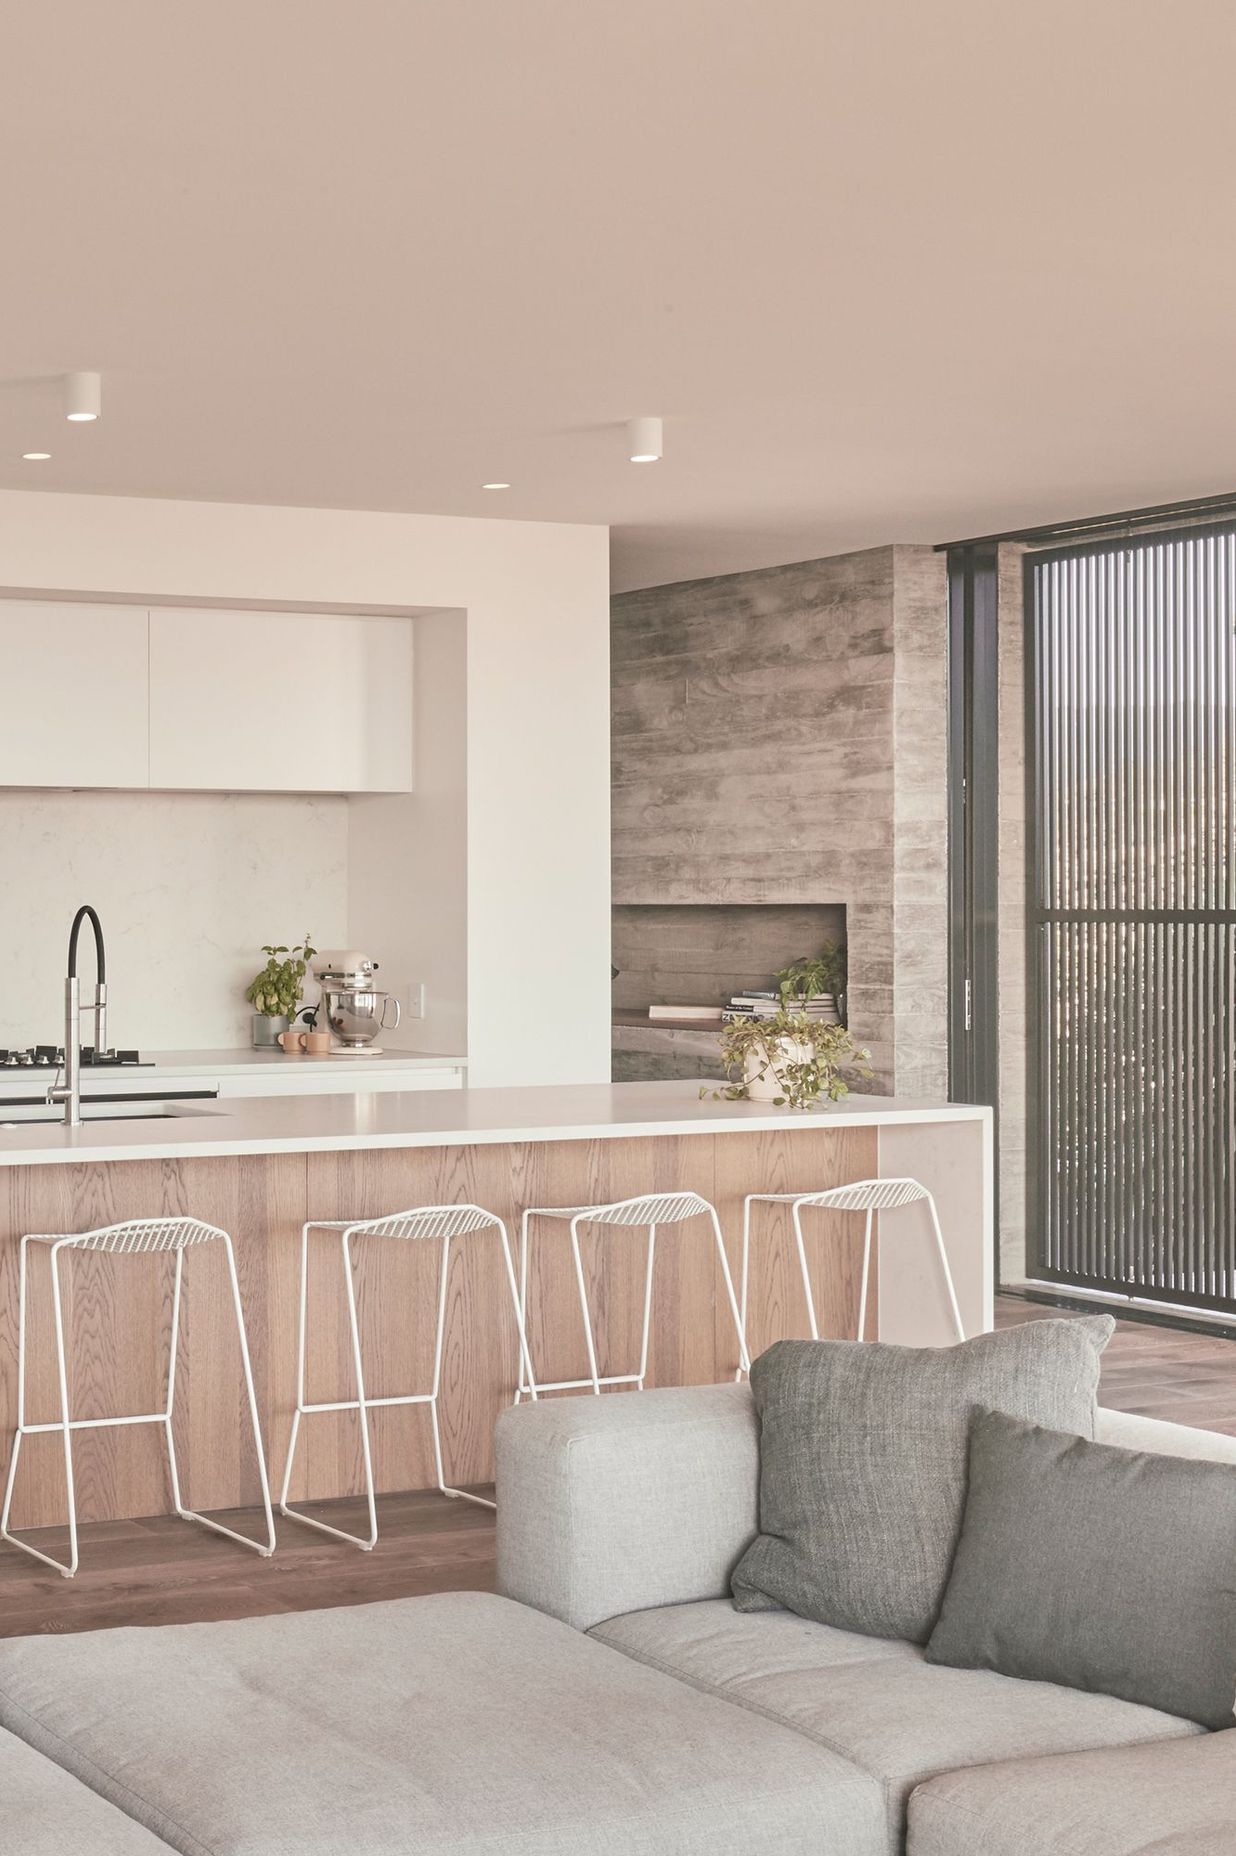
point(875, 1701)
point(462, 1723)
point(1167, 1800)
point(47, 1812)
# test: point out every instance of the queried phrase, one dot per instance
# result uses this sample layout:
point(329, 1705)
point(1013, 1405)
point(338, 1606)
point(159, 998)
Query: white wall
point(188, 886)
point(536, 599)
point(408, 853)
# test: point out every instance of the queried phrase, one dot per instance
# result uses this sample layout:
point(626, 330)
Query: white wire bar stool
point(139, 1236)
point(864, 1195)
point(647, 1210)
point(423, 1223)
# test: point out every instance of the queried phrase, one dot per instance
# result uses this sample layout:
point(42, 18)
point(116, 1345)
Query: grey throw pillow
point(1095, 1567)
point(863, 1463)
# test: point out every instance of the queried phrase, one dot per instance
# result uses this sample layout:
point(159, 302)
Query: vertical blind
point(1131, 679)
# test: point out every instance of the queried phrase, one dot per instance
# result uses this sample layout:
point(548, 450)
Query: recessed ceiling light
point(36, 457)
point(495, 486)
point(83, 397)
point(644, 439)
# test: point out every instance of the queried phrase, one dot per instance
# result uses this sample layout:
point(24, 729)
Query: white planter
point(768, 1086)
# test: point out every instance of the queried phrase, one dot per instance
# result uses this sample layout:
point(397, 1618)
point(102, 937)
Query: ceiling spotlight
point(83, 396)
point(644, 440)
point(495, 486)
point(35, 457)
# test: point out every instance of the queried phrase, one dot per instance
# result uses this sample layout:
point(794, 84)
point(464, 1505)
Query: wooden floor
point(163, 1571)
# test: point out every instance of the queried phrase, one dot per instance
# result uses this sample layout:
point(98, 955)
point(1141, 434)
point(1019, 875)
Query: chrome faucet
point(70, 1091)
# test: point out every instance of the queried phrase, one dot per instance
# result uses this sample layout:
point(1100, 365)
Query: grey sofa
point(612, 1704)
point(624, 1517)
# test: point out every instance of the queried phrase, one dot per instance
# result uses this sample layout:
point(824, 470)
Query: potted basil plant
point(275, 992)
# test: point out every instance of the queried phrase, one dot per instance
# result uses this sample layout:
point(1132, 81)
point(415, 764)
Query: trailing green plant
point(275, 991)
point(807, 979)
point(802, 1056)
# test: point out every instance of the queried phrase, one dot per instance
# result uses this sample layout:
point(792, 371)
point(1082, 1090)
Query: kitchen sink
point(26, 1114)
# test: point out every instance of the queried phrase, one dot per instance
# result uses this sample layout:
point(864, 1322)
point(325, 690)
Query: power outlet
point(411, 997)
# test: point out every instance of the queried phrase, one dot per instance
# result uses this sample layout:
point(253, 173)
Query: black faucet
point(70, 1092)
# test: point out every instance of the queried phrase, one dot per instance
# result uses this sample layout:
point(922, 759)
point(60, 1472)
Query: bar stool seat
point(646, 1210)
point(422, 1223)
point(863, 1195)
point(140, 1236)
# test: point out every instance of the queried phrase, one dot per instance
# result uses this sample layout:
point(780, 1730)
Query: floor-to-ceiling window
point(1131, 916)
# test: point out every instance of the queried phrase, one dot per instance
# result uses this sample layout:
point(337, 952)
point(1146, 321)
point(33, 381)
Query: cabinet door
point(73, 692)
point(280, 702)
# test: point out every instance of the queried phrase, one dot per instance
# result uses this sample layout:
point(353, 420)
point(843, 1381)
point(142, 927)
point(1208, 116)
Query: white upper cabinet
point(75, 694)
point(280, 702)
point(204, 699)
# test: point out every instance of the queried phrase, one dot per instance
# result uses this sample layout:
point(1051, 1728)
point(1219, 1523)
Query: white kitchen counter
point(469, 1117)
point(247, 1072)
point(947, 1146)
point(248, 1062)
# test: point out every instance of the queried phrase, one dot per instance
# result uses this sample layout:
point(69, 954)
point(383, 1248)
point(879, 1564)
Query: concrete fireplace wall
point(781, 737)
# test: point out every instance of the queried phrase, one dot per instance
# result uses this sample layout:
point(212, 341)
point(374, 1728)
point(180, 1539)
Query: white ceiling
point(890, 271)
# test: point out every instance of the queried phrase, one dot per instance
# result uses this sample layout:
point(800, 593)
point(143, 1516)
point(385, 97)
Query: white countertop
point(239, 1062)
point(207, 1065)
point(454, 1118)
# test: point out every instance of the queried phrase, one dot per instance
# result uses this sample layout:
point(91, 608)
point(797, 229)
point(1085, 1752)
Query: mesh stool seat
point(647, 1210)
point(863, 1195)
point(423, 1223)
point(136, 1237)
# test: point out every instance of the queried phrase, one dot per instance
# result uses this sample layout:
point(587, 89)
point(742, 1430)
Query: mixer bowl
point(356, 1018)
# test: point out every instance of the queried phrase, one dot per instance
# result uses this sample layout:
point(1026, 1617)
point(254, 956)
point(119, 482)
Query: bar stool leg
point(643, 1351)
point(358, 1405)
point(796, 1214)
point(300, 1373)
point(19, 1433)
point(948, 1274)
point(444, 1487)
point(744, 1359)
point(522, 1304)
point(267, 1547)
point(746, 1265)
point(170, 1401)
point(68, 1570)
point(362, 1408)
point(583, 1303)
point(62, 1373)
point(862, 1300)
point(247, 1364)
point(518, 1303)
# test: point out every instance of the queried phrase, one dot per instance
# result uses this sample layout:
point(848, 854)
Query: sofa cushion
point(863, 1463)
point(877, 1702)
point(1169, 1800)
point(1102, 1568)
point(47, 1812)
point(462, 1723)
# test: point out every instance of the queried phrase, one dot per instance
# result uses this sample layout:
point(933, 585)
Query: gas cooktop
point(51, 1057)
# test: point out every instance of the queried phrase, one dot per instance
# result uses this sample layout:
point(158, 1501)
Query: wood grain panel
point(118, 1308)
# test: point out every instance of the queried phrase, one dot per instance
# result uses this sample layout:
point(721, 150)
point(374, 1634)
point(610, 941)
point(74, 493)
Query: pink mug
point(293, 1042)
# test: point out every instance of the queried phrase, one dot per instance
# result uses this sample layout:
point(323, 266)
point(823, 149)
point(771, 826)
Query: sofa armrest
point(1133, 1432)
point(624, 1502)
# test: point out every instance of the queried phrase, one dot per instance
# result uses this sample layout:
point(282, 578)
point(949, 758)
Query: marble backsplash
point(188, 886)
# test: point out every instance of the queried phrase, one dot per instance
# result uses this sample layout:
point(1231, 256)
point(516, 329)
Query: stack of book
point(768, 1004)
point(687, 1014)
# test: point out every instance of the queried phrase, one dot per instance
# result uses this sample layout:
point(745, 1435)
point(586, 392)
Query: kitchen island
point(260, 1167)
